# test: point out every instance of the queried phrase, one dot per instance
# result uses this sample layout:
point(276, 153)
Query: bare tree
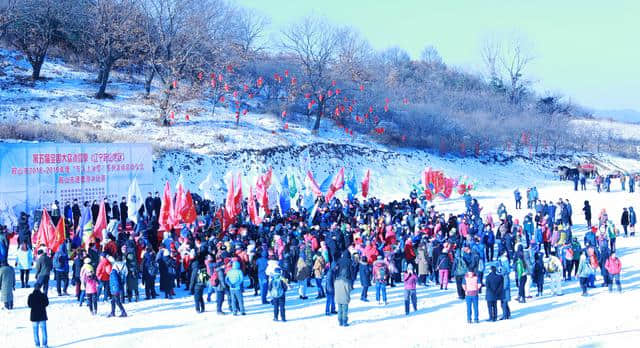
point(6, 15)
point(514, 62)
point(39, 24)
point(315, 44)
point(250, 32)
point(176, 37)
point(115, 32)
point(430, 55)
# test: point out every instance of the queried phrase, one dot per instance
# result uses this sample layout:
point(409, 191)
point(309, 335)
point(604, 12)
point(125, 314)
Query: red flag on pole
point(101, 222)
point(237, 199)
point(46, 232)
point(365, 184)
point(253, 212)
point(230, 203)
point(59, 236)
point(166, 210)
point(189, 213)
point(314, 185)
point(336, 185)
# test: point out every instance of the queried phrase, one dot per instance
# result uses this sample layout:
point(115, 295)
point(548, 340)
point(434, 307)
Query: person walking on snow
point(614, 266)
point(38, 303)
point(471, 287)
point(410, 295)
point(277, 290)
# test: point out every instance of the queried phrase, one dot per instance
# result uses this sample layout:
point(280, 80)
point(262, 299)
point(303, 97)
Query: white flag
point(207, 187)
point(134, 200)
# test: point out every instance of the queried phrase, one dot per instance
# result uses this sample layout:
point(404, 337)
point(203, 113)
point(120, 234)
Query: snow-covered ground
point(602, 319)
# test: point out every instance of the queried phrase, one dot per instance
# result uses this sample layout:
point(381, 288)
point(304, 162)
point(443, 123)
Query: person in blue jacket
point(632, 222)
point(61, 268)
point(263, 280)
point(234, 280)
point(117, 279)
point(365, 278)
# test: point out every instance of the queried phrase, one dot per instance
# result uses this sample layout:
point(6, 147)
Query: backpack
point(277, 288)
point(203, 276)
point(552, 267)
point(382, 274)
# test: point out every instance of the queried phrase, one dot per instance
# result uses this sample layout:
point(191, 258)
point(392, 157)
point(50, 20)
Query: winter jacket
point(494, 287)
point(342, 287)
point(90, 284)
point(410, 280)
point(632, 217)
point(61, 260)
point(613, 265)
point(460, 267)
point(38, 303)
point(117, 278)
point(235, 277)
point(584, 268)
point(43, 266)
point(379, 268)
point(504, 269)
point(318, 267)
point(24, 259)
point(365, 273)
point(421, 259)
point(444, 262)
point(471, 285)
point(624, 220)
point(104, 270)
point(7, 283)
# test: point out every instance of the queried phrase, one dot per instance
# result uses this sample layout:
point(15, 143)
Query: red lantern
point(338, 91)
point(333, 83)
point(220, 78)
point(222, 99)
point(235, 94)
point(371, 109)
point(213, 83)
point(259, 82)
point(244, 112)
point(200, 75)
point(172, 115)
point(405, 101)
point(329, 93)
point(361, 88)
point(175, 84)
point(366, 116)
point(404, 138)
point(212, 75)
point(386, 108)
point(321, 96)
point(294, 81)
point(376, 119)
point(229, 68)
point(245, 88)
point(351, 132)
point(286, 126)
point(284, 113)
point(250, 95)
point(386, 100)
point(186, 117)
point(307, 95)
point(286, 73)
point(309, 106)
point(226, 87)
point(350, 108)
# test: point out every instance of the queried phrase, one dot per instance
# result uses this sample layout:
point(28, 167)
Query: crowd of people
point(405, 243)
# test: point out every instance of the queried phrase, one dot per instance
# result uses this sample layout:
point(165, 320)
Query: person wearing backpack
point(234, 281)
point(444, 267)
point(197, 287)
point(584, 272)
point(277, 290)
point(116, 285)
point(459, 271)
point(381, 274)
point(149, 272)
point(553, 266)
point(538, 273)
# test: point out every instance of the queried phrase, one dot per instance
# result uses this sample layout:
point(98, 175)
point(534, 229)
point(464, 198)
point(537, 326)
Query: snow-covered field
point(602, 319)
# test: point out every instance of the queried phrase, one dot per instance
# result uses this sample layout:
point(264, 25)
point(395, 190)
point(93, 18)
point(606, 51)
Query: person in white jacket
point(24, 262)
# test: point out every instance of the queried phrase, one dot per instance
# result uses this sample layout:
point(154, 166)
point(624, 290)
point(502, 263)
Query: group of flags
point(53, 236)
point(182, 209)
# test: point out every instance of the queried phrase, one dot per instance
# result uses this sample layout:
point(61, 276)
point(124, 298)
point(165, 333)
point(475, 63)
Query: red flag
point(166, 209)
point(101, 222)
point(230, 203)
point(314, 185)
point(189, 213)
point(264, 181)
point(237, 199)
point(336, 185)
point(365, 184)
point(59, 236)
point(180, 204)
point(46, 232)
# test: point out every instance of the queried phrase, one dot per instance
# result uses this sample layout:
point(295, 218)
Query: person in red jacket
point(613, 266)
point(103, 272)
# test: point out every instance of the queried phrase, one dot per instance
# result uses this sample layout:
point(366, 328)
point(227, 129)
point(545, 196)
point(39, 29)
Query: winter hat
point(87, 260)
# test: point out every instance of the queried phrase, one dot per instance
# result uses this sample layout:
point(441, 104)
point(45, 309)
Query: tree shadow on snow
point(133, 330)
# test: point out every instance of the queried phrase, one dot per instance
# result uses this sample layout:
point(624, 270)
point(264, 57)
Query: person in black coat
point(157, 204)
point(495, 284)
point(116, 211)
point(124, 212)
point(365, 278)
point(75, 212)
point(148, 205)
point(24, 232)
point(95, 209)
point(44, 266)
point(587, 213)
point(38, 303)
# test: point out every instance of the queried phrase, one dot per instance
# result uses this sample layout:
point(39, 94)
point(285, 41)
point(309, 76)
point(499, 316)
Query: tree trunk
point(164, 108)
point(147, 82)
point(316, 124)
point(37, 66)
point(104, 74)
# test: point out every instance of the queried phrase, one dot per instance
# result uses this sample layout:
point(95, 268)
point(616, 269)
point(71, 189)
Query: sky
point(588, 51)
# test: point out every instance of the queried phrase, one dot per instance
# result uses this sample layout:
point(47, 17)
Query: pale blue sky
point(587, 50)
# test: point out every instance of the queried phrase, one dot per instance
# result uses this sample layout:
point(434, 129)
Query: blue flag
point(285, 201)
point(324, 187)
point(352, 186)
